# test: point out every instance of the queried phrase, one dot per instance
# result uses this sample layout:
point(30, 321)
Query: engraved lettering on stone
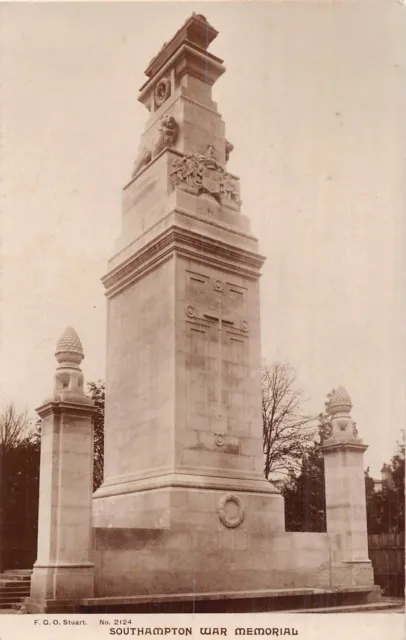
point(197, 279)
point(231, 511)
point(214, 304)
point(196, 287)
point(235, 297)
point(167, 135)
point(218, 318)
point(201, 173)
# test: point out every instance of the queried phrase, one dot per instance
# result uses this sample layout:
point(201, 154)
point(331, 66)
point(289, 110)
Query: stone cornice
point(196, 30)
point(188, 58)
point(181, 241)
point(188, 481)
point(55, 407)
point(330, 447)
point(214, 223)
point(64, 565)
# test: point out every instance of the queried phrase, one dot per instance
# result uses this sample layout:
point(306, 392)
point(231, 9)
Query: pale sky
point(313, 100)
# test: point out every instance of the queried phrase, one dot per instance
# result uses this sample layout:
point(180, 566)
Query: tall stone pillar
point(63, 570)
point(343, 455)
point(183, 493)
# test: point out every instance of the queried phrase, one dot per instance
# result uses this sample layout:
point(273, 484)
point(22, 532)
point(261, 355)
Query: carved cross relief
point(216, 311)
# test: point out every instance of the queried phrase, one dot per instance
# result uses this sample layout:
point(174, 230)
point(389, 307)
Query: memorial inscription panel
point(216, 360)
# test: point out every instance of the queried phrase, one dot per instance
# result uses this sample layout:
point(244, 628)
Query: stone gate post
point(63, 570)
point(343, 455)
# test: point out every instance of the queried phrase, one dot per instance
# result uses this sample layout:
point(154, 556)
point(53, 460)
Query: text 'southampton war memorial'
point(184, 513)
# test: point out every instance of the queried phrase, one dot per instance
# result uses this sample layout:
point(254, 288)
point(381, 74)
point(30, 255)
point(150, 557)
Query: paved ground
point(400, 608)
point(9, 611)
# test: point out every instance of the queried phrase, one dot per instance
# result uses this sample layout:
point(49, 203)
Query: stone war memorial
point(184, 519)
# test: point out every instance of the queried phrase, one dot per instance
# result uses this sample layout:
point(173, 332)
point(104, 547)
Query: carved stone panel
point(202, 174)
point(214, 310)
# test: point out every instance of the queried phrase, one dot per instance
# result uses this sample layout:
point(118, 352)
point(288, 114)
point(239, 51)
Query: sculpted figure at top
point(209, 160)
point(167, 135)
point(229, 149)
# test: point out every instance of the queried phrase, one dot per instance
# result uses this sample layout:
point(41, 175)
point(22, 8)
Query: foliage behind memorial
point(97, 391)
point(19, 488)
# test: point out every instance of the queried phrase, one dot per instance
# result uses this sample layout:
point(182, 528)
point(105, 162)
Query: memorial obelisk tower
point(183, 487)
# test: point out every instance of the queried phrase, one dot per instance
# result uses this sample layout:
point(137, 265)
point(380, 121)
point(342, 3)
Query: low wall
point(144, 561)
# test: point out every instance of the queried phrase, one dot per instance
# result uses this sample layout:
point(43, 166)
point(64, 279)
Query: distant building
point(386, 479)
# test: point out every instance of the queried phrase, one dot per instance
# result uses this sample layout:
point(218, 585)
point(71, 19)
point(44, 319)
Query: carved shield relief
point(211, 181)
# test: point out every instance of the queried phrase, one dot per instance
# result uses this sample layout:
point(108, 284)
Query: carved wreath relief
point(190, 311)
point(162, 91)
point(219, 439)
point(231, 511)
point(201, 173)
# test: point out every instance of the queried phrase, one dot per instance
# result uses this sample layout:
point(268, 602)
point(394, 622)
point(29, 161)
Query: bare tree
point(16, 434)
point(15, 427)
point(287, 431)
